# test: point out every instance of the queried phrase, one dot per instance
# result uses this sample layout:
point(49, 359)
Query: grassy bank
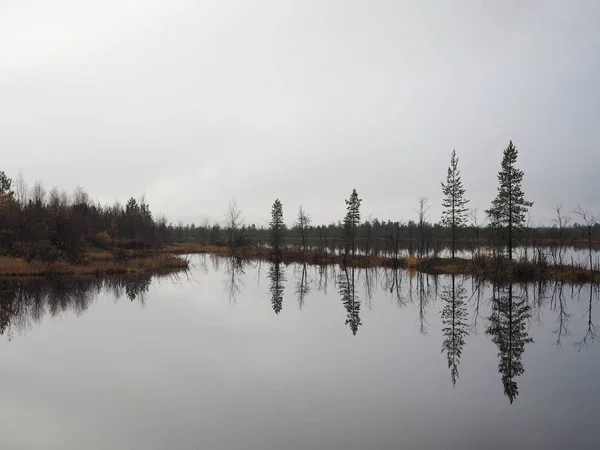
point(482, 266)
point(97, 263)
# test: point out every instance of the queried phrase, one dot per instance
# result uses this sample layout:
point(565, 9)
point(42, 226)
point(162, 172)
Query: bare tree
point(38, 194)
point(80, 196)
point(422, 211)
point(477, 225)
point(561, 222)
point(302, 222)
point(21, 190)
point(234, 221)
point(589, 221)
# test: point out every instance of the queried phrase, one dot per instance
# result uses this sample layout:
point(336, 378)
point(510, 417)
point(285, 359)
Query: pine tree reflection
point(277, 277)
point(508, 327)
point(347, 289)
point(454, 320)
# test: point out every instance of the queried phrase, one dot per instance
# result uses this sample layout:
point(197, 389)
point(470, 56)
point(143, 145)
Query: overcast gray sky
point(199, 102)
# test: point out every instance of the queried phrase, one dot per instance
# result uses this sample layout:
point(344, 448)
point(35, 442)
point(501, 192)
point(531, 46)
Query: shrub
point(101, 240)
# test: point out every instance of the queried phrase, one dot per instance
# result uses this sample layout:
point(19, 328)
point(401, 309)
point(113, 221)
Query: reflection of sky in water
point(197, 367)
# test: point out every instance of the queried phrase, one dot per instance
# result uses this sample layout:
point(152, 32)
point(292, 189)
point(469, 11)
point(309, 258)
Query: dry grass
point(98, 263)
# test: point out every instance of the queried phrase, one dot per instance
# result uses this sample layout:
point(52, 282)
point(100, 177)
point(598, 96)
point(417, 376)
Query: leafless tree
point(589, 221)
point(303, 222)
point(21, 190)
point(80, 197)
point(422, 212)
point(477, 225)
point(234, 221)
point(561, 222)
point(38, 194)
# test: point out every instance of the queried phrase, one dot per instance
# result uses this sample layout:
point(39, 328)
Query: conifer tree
point(276, 225)
point(454, 215)
point(509, 207)
point(351, 221)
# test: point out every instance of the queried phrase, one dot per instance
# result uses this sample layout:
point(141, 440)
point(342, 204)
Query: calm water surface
point(242, 356)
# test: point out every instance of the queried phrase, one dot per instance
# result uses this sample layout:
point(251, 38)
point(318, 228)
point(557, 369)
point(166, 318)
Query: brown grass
point(95, 263)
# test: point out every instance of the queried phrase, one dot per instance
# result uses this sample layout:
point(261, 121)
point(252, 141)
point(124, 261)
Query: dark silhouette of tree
point(132, 212)
point(507, 325)
point(454, 215)
point(234, 220)
point(302, 223)
point(277, 277)
point(509, 207)
point(5, 187)
point(347, 289)
point(422, 211)
point(561, 222)
point(589, 221)
point(276, 225)
point(455, 326)
point(302, 286)
point(351, 222)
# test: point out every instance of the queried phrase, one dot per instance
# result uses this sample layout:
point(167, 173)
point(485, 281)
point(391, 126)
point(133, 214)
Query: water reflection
point(455, 326)
point(507, 317)
point(25, 303)
point(591, 334)
point(277, 278)
point(347, 289)
point(507, 325)
point(302, 285)
point(235, 270)
point(558, 303)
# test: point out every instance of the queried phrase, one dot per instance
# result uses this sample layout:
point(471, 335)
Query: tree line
point(506, 219)
point(52, 225)
point(501, 227)
point(36, 223)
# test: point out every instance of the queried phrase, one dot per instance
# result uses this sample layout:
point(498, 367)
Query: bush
point(101, 240)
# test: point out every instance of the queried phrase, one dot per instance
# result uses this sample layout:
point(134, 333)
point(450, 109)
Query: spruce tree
point(276, 225)
point(351, 221)
point(509, 207)
point(454, 215)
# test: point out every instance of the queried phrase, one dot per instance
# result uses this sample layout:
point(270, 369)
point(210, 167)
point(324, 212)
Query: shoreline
point(482, 267)
point(96, 263)
point(169, 259)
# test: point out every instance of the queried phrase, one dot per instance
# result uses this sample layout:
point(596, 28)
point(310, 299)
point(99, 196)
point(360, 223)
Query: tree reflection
point(592, 330)
point(347, 289)
point(508, 327)
point(393, 284)
point(25, 303)
point(454, 320)
point(235, 269)
point(302, 286)
point(557, 303)
point(277, 277)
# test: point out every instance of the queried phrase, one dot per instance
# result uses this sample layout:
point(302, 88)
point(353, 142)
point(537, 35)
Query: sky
point(198, 103)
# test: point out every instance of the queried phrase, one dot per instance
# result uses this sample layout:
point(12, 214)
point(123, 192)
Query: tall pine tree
point(351, 221)
point(454, 215)
point(509, 207)
point(276, 225)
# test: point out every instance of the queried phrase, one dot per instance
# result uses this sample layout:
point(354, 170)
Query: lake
point(234, 355)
